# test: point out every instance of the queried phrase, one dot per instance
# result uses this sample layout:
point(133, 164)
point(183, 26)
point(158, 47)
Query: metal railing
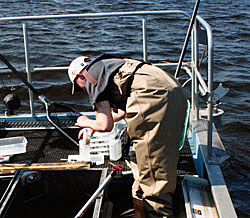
point(197, 79)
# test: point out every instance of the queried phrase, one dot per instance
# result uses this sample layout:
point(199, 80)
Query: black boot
point(139, 208)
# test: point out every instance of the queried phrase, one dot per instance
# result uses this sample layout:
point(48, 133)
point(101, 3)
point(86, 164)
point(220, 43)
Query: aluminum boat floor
point(198, 198)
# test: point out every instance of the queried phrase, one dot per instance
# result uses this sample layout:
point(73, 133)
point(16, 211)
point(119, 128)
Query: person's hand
point(89, 130)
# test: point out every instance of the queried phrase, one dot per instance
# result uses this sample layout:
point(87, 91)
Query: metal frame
point(195, 72)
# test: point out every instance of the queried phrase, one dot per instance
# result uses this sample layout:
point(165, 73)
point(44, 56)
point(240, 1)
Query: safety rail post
point(210, 87)
point(196, 58)
point(210, 99)
point(144, 35)
point(194, 76)
point(27, 69)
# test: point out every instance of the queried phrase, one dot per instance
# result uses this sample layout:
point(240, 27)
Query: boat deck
point(49, 146)
point(49, 149)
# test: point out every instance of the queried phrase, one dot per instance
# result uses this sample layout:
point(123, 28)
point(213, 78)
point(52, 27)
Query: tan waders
point(155, 114)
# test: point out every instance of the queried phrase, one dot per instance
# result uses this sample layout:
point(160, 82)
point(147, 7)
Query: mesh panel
point(50, 146)
point(36, 124)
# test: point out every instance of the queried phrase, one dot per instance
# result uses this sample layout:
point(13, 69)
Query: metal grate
point(50, 146)
point(36, 124)
point(44, 146)
point(185, 163)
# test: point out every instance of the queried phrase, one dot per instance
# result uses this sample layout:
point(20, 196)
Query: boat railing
point(196, 77)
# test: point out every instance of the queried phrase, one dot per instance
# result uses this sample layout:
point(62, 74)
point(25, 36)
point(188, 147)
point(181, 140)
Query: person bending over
point(154, 106)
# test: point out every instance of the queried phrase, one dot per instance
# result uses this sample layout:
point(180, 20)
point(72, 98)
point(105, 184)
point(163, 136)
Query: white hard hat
point(76, 67)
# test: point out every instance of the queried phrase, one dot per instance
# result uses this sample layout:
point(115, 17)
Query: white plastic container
point(115, 149)
point(13, 145)
point(84, 146)
point(4, 159)
point(100, 144)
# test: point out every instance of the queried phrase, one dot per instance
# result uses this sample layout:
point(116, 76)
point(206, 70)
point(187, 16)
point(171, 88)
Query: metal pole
point(187, 38)
point(193, 87)
point(3, 59)
point(43, 99)
point(144, 34)
point(196, 55)
point(95, 195)
point(210, 99)
point(8, 194)
point(27, 60)
point(94, 15)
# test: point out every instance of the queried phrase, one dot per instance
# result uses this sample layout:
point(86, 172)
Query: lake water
point(229, 19)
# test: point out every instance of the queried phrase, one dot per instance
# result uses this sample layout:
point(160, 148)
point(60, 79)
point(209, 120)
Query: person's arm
point(104, 121)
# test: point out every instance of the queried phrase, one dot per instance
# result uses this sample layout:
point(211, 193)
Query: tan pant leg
point(155, 119)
